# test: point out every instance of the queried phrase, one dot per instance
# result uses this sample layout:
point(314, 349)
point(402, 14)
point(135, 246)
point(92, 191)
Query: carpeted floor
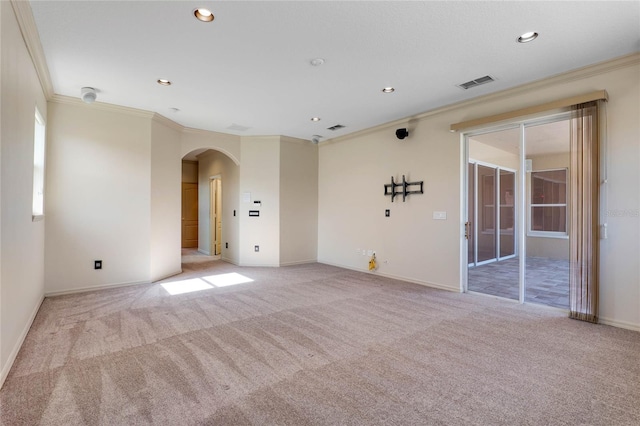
point(315, 344)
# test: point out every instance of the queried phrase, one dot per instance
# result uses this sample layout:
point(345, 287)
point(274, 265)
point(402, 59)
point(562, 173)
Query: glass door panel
point(486, 234)
point(471, 208)
point(494, 156)
point(547, 241)
point(507, 213)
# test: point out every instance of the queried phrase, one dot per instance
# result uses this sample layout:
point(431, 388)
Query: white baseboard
point(229, 260)
point(299, 262)
point(16, 348)
point(257, 265)
point(93, 288)
point(619, 324)
point(172, 274)
point(396, 277)
point(205, 252)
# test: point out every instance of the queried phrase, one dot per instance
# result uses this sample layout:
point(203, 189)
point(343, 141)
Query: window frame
point(530, 206)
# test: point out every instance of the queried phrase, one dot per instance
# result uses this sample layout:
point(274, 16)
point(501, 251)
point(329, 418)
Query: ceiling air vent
point(336, 127)
point(476, 82)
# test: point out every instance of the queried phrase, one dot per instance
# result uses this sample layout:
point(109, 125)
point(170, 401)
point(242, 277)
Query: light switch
point(440, 215)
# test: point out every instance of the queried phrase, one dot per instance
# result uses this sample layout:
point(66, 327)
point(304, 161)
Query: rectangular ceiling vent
point(476, 82)
point(336, 127)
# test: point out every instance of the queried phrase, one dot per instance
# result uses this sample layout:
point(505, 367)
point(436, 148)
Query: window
point(548, 214)
point(38, 167)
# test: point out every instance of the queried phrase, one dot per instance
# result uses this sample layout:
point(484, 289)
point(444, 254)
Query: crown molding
point(68, 100)
point(630, 60)
point(208, 133)
point(29, 30)
point(161, 119)
point(271, 138)
point(291, 139)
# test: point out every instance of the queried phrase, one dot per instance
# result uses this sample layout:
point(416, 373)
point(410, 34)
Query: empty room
point(319, 212)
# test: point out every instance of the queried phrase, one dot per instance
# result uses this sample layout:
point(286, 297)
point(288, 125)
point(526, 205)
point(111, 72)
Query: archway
point(210, 177)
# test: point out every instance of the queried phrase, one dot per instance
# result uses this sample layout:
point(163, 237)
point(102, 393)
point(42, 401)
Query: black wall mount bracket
point(391, 188)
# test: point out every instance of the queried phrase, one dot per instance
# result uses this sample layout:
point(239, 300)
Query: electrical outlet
point(256, 248)
point(97, 264)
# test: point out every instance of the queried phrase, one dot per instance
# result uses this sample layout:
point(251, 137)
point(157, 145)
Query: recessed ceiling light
point(388, 89)
point(315, 119)
point(317, 62)
point(163, 82)
point(527, 37)
point(203, 15)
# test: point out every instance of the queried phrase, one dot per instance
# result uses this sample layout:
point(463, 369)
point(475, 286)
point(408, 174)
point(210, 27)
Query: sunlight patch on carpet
point(225, 280)
point(205, 283)
point(186, 286)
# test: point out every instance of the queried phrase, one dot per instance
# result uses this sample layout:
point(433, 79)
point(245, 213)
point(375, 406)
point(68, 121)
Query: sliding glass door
point(517, 204)
point(492, 223)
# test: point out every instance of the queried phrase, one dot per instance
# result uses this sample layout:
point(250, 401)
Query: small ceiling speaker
point(88, 95)
point(402, 133)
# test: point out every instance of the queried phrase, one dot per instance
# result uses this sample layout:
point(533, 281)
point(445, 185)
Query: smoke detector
point(88, 95)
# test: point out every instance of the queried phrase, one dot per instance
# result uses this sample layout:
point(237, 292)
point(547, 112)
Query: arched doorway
point(210, 182)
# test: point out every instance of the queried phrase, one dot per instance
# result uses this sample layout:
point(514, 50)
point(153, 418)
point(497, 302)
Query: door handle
point(467, 230)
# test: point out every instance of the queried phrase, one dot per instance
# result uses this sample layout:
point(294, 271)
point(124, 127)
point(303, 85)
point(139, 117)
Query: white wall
point(21, 239)
point(166, 222)
point(260, 177)
point(298, 201)
point(353, 170)
point(99, 189)
point(215, 163)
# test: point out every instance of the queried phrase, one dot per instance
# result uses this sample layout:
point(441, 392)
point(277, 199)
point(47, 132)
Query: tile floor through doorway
point(547, 280)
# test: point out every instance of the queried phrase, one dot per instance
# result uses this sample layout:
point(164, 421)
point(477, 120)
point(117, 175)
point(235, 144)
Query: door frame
point(213, 237)
point(521, 189)
point(475, 227)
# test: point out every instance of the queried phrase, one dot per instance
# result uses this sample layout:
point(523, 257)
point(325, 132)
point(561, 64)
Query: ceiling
point(249, 73)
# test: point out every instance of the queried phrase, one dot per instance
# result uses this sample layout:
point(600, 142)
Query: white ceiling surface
point(250, 66)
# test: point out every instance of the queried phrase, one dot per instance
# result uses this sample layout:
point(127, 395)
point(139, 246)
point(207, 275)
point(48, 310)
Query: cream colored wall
point(409, 244)
point(260, 176)
point(482, 152)
point(298, 201)
point(189, 171)
point(217, 164)
point(21, 240)
point(553, 248)
point(418, 248)
point(98, 177)
point(193, 139)
point(166, 213)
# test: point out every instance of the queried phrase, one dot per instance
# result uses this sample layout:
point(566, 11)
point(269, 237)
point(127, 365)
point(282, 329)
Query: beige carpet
point(194, 256)
point(314, 344)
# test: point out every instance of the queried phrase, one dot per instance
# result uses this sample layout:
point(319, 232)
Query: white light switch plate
point(440, 215)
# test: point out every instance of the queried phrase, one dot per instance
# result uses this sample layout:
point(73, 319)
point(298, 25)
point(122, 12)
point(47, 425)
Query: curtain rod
point(562, 103)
